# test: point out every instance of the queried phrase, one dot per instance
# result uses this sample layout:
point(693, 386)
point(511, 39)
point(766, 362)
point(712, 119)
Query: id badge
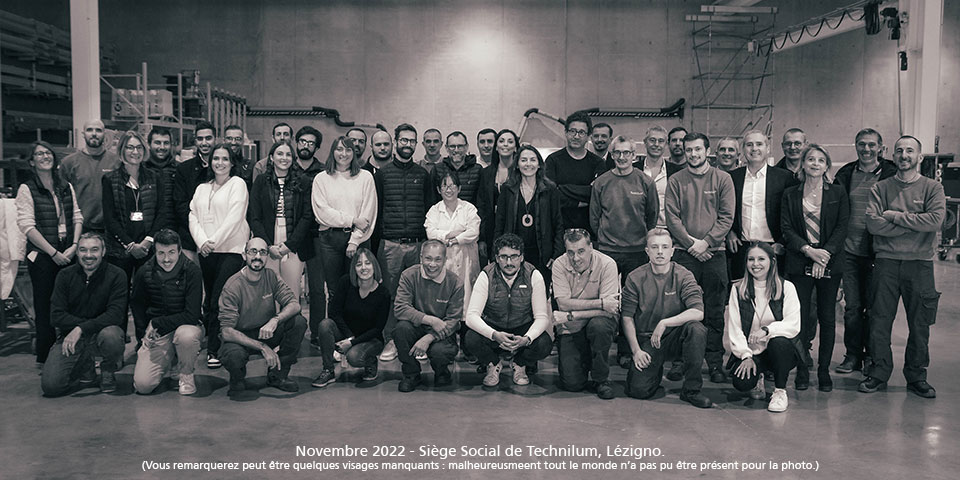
point(136, 216)
point(62, 230)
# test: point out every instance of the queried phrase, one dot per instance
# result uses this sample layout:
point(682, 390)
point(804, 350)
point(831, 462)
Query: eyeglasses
point(622, 154)
point(134, 148)
point(792, 144)
point(253, 252)
point(407, 141)
point(307, 143)
point(577, 133)
point(509, 258)
point(456, 147)
point(580, 231)
point(657, 141)
point(448, 187)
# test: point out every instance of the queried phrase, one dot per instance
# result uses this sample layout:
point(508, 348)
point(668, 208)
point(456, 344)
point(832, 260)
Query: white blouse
point(789, 327)
point(339, 198)
point(439, 222)
point(220, 215)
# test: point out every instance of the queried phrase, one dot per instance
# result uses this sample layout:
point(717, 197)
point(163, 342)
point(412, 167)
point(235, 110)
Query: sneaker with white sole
point(389, 352)
point(213, 362)
point(492, 378)
point(520, 374)
point(759, 392)
point(188, 385)
point(421, 357)
point(337, 356)
point(778, 401)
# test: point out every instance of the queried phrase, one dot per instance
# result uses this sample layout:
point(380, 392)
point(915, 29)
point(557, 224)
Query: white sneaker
point(492, 379)
point(337, 356)
point(520, 374)
point(759, 392)
point(778, 402)
point(187, 384)
point(421, 357)
point(389, 352)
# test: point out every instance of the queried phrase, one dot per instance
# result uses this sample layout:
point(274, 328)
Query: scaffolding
point(731, 99)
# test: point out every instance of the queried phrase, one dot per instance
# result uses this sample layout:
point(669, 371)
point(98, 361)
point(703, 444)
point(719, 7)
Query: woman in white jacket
point(455, 222)
point(762, 325)
point(218, 224)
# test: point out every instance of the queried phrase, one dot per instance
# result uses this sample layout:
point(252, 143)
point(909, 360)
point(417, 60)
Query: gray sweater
point(622, 210)
point(915, 214)
point(700, 206)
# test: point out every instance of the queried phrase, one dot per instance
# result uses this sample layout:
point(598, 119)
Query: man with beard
point(189, 174)
point(904, 216)
point(404, 194)
point(163, 164)
point(429, 307)
point(793, 143)
point(381, 153)
point(359, 138)
point(573, 170)
point(600, 136)
point(89, 310)
point(486, 142)
point(233, 137)
point(281, 131)
point(728, 154)
point(508, 312)
point(464, 165)
point(700, 208)
point(432, 142)
point(84, 170)
point(250, 323)
point(655, 167)
point(858, 260)
point(675, 138)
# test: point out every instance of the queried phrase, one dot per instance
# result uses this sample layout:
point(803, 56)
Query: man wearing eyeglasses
point(793, 143)
point(281, 131)
point(250, 323)
point(404, 194)
point(587, 290)
point(432, 143)
point(84, 170)
point(465, 165)
point(508, 313)
point(573, 170)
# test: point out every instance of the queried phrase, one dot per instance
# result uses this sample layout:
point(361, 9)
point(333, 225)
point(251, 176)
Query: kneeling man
point(662, 315)
point(587, 289)
point(428, 307)
point(250, 324)
point(88, 308)
point(166, 297)
point(508, 313)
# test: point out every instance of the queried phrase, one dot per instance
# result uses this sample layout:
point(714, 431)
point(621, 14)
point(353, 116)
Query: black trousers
point(780, 357)
point(43, 272)
point(216, 268)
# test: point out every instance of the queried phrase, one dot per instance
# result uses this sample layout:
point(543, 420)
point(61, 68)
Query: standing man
point(858, 178)
point(233, 137)
point(662, 313)
point(508, 312)
point(573, 170)
point(486, 142)
point(701, 203)
point(586, 287)
point(404, 193)
point(281, 131)
point(758, 190)
point(381, 152)
point(793, 143)
point(600, 136)
point(84, 170)
point(432, 143)
point(728, 154)
point(904, 215)
point(166, 297)
point(429, 307)
point(676, 136)
point(189, 174)
point(465, 165)
point(163, 164)
point(250, 323)
point(89, 310)
point(359, 138)
point(655, 142)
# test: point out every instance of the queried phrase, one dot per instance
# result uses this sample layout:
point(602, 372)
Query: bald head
point(255, 254)
point(382, 145)
point(256, 242)
point(93, 135)
point(96, 122)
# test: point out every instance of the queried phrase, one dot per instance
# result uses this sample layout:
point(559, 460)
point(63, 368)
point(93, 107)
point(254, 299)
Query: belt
point(338, 229)
point(404, 240)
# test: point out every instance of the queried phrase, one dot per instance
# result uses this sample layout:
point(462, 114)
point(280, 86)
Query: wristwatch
point(765, 330)
point(569, 316)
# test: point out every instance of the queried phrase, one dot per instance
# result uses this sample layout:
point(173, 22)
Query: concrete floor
point(847, 434)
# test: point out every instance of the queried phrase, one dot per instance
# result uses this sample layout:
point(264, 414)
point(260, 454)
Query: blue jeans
point(60, 370)
point(712, 277)
point(913, 280)
point(858, 295)
point(689, 341)
point(153, 362)
point(359, 355)
point(394, 258)
point(441, 352)
point(586, 351)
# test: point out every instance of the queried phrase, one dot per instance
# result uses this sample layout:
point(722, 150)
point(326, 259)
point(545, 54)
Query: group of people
point(494, 257)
